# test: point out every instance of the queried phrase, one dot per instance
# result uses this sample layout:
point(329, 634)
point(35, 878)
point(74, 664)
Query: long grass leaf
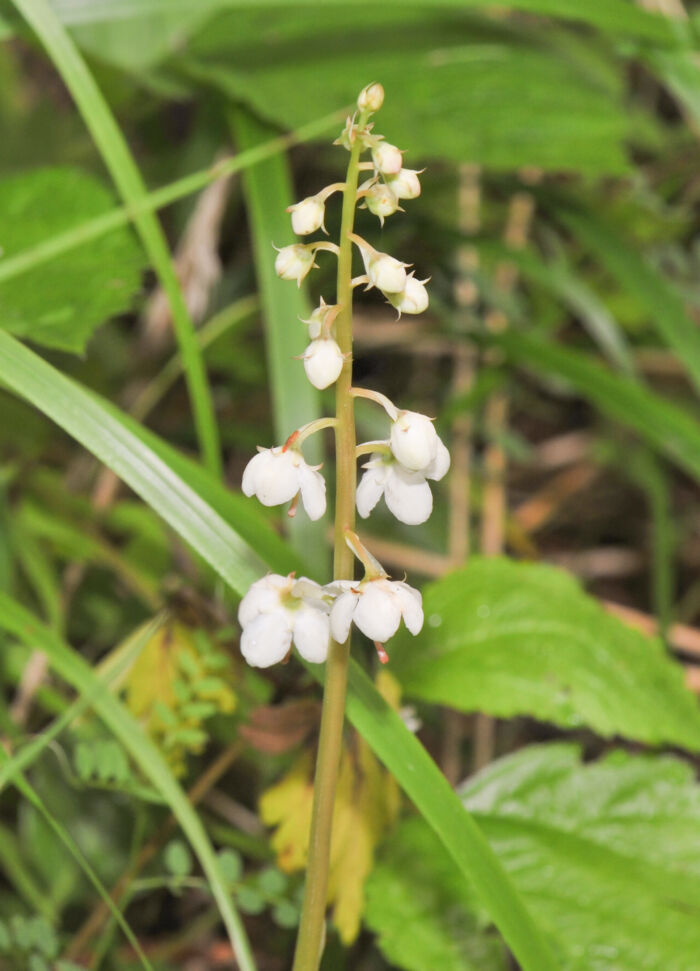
point(670, 429)
point(118, 159)
point(32, 796)
point(400, 751)
point(73, 669)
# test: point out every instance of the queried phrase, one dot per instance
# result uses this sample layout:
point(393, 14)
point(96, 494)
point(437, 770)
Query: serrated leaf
point(520, 638)
point(415, 885)
point(61, 304)
point(607, 854)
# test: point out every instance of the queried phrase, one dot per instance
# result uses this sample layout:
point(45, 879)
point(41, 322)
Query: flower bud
point(307, 215)
point(406, 185)
point(414, 441)
point(371, 98)
point(386, 273)
point(323, 362)
point(294, 262)
point(413, 299)
point(387, 158)
point(381, 200)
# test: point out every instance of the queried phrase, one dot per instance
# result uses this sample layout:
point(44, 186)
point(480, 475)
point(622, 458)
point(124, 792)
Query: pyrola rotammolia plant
point(280, 611)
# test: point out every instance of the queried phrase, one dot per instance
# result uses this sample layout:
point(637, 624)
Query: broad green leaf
point(415, 885)
point(607, 854)
point(414, 770)
point(523, 639)
point(436, 71)
point(658, 298)
point(86, 286)
point(672, 430)
point(295, 401)
point(616, 16)
point(78, 673)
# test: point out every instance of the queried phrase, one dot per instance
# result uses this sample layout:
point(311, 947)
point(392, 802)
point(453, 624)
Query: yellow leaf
point(366, 805)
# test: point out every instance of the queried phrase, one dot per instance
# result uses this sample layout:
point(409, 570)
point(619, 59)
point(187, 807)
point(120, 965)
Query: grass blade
point(73, 669)
point(118, 159)
point(32, 796)
point(671, 430)
point(206, 531)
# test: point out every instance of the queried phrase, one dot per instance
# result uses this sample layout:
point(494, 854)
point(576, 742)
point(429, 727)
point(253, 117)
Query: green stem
point(311, 929)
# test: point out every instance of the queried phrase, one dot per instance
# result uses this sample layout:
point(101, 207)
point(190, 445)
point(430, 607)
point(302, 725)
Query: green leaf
point(606, 854)
point(672, 430)
point(435, 68)
point(86, 286)
point(520, 638)
point(177, 858)
point(114, 150)
point(659, 298)
point(214, 540)
point(416, 885)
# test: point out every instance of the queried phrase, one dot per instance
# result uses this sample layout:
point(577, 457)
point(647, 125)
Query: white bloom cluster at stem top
point(280, 611)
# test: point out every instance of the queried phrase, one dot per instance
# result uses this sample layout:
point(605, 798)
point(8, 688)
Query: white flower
point(278, 610)
point(381, 200)
point(308, 215)
point(278, 475)
point(413, 299)
point(323, 362)
point(294, 262)
point(414, 441)
point(376, 606)
point(371, 98)
point(387, 158)
point(406, 185)
point(406, 493)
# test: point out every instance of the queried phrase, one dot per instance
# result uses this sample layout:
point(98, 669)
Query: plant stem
point(311, 929)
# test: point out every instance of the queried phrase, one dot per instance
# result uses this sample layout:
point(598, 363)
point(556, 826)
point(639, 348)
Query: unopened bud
point(387, 158)
point(386, 273)
point(414, 440)
point(381, 200)
point(406, 184)
point(307, 215)
point(323, 362)
point(413, 299)
point(294, 262)
point(371, 98)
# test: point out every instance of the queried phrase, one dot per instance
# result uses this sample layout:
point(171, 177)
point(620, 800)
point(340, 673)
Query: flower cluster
point(280, 611)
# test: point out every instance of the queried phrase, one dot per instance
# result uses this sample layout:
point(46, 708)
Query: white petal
point(408, 495)
point(312, 631)
point(252, 471)
point(277, 480)
point(267, 640)
point(263, 597)
point(378, 613)
point(414, 440)
point(411, 606)
point(341, 616)
point(440, 464)
point(313, 491)
point(371, 487)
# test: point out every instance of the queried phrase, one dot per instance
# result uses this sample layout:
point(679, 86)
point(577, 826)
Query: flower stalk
point(281, 613)
point(312, 925)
